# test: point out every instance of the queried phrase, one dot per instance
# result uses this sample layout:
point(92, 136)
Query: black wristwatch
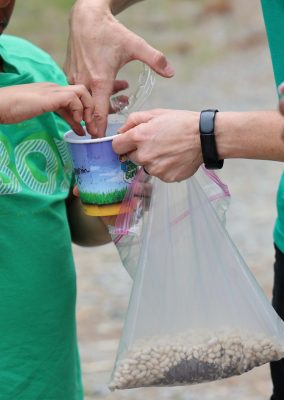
point(208, 142)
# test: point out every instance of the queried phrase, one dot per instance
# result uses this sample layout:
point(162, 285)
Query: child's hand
point(73, 103)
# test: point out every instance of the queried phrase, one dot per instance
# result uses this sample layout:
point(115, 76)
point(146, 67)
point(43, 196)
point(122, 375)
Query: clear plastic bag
point(126, 234)
point(196, 313)
point(216, 191)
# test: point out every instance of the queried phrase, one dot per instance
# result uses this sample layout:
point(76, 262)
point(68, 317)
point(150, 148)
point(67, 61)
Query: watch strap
point(208, 140)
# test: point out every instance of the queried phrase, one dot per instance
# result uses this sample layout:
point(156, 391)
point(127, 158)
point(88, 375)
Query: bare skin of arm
point(167, 142)
point(252, 135)
point(21, 102)
point(99, 46)
point(85, 231)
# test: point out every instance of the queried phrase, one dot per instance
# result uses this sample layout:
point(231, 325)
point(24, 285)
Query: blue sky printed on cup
point(97, 168)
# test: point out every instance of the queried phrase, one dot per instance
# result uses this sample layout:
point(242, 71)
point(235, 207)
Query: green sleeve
point(273, 12)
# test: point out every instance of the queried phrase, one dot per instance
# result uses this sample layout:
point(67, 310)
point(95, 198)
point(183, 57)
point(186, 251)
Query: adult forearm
point(147, 137)
point(253, 135)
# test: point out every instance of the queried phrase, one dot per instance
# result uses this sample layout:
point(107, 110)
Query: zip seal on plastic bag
point(215, 190)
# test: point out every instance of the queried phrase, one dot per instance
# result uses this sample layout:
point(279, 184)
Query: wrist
point(85, 13)
point(82, 9)
point(192, 139)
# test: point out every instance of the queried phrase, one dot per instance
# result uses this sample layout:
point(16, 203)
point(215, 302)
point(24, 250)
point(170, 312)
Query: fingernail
point(169, 70)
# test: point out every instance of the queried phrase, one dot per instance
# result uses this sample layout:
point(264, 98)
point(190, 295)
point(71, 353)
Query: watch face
point(207, 118)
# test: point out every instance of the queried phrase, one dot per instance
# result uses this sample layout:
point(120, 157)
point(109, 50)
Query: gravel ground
point(237, 75)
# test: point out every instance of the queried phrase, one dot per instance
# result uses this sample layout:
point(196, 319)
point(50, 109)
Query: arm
point(99, 46)
point(252, 135)
point(85, 230)
point(21, 102)
point(167, 142)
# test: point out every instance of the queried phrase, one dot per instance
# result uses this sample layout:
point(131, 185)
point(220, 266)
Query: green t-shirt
point(38, 344)
point(273, 11)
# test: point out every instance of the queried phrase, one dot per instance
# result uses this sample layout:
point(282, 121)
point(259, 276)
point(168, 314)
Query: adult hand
point(73, 103)
point(165, 142)
point(98, 47)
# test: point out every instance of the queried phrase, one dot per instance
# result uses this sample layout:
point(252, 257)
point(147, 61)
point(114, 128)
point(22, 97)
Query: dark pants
point(277, 367)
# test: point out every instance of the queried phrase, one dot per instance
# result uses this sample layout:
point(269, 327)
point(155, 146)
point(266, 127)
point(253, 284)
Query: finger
point(88, 107)
point(76, 126)
point(101, 92)
point(154, 58)
point(123, 144)
point(119, 85)
point(135, 119)
point(140, 157)
point(133, 156)
point(92, 128)
point(76, 191)
point(74, 104)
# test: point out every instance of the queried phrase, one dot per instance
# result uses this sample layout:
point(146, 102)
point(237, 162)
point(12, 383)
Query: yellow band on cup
point(101, 211)
point(107, 210)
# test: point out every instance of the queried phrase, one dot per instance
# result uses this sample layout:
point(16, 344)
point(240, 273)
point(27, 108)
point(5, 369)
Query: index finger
point(88, 105)
point(134, 119)
point(124, 143)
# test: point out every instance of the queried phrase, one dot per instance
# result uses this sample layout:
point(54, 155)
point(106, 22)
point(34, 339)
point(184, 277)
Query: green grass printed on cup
point(103, 198)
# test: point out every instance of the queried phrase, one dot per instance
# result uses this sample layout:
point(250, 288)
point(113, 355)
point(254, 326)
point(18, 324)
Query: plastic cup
point(101, 175)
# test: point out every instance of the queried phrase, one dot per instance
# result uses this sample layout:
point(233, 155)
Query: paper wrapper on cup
point(101, 175)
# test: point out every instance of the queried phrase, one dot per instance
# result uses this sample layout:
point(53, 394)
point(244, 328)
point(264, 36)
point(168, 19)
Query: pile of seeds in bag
point(191, 358)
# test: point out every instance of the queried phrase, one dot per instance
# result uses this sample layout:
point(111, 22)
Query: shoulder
point(21, 48)
point(25, 53)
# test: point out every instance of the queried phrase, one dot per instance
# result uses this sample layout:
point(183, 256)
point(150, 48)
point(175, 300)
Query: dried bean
point(192, 358)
